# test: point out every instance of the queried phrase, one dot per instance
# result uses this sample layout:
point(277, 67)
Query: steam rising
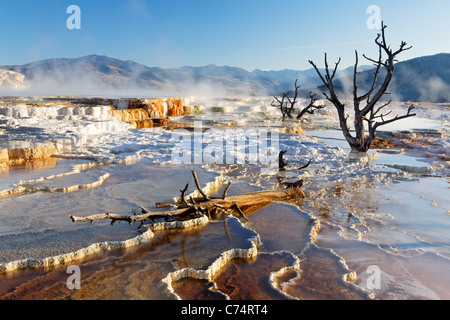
point(104, 76)
point(424, 79)
point(421, 79)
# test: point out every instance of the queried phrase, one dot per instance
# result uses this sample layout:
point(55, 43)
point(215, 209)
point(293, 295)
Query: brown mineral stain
point(194, 289)
point(239, 280)
point(243, 280)
point(132, 273)
point(322, 278)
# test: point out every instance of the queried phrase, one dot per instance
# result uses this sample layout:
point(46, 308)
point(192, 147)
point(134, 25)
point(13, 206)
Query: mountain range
point(421, 79)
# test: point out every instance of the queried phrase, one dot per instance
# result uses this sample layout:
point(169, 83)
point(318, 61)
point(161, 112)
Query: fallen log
point(239, 205)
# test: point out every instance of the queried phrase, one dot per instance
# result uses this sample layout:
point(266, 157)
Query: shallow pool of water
point(383, 215)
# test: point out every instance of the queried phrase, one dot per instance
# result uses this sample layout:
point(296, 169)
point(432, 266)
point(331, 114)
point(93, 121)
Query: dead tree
point(293, 101)
point(185, 209)
point(369, 113)
point(281, 104)
point(287, 107)
point(311, 107)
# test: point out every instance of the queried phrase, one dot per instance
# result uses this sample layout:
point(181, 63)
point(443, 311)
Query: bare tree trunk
point(294, 100)
point(281, 104)
point(360, 141)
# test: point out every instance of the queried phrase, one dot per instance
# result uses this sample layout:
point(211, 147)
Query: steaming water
point(388, 208)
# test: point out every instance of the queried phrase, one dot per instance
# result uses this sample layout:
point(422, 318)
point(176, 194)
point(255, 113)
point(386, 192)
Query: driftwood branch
point(199, 188)
point(240, 205)
point(282, 163)
point(306, 165)
point(183, 195)
point(225, 191)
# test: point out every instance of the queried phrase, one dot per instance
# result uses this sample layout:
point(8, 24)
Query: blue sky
point(269, 35)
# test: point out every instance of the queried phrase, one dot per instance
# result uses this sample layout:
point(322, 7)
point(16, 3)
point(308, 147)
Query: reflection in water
point(387, 209)
point(124, 274)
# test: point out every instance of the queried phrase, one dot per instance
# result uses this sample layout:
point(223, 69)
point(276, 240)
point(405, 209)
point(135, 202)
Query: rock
point(33, 157)
point(176, 107)
point(149, 123)
point(130, 115)
point(292, 129)
point(156, 108)
point(160, 122)
point(18, 155)
point(159, 107)
point(140, 124)
point(32, 153)
point(12, 79)
point(4, 155)
point(4, 166)
point(146, 113)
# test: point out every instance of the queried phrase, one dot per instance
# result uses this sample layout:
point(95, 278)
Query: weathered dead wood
point(358, 139)
point(287, 107)
point(281, 104)
point(311, 107)
point(239, 205)
point(282, 164)
point(293, 101)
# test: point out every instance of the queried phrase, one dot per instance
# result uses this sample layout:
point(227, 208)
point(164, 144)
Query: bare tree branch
point(281, 104)
point(225, 191)
point(199, 188)
point(397, 117)
point(243, 205)
point(306, 165)
point(281, 163)
point(358, 140)
point(311, 107)
point(294, 100)
point(183, 192)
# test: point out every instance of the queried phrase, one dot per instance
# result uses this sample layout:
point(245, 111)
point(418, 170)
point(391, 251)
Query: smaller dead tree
point(293, 101)
point(282, 105)
point(370, 113)
point(311, 107)
point(287, 104)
